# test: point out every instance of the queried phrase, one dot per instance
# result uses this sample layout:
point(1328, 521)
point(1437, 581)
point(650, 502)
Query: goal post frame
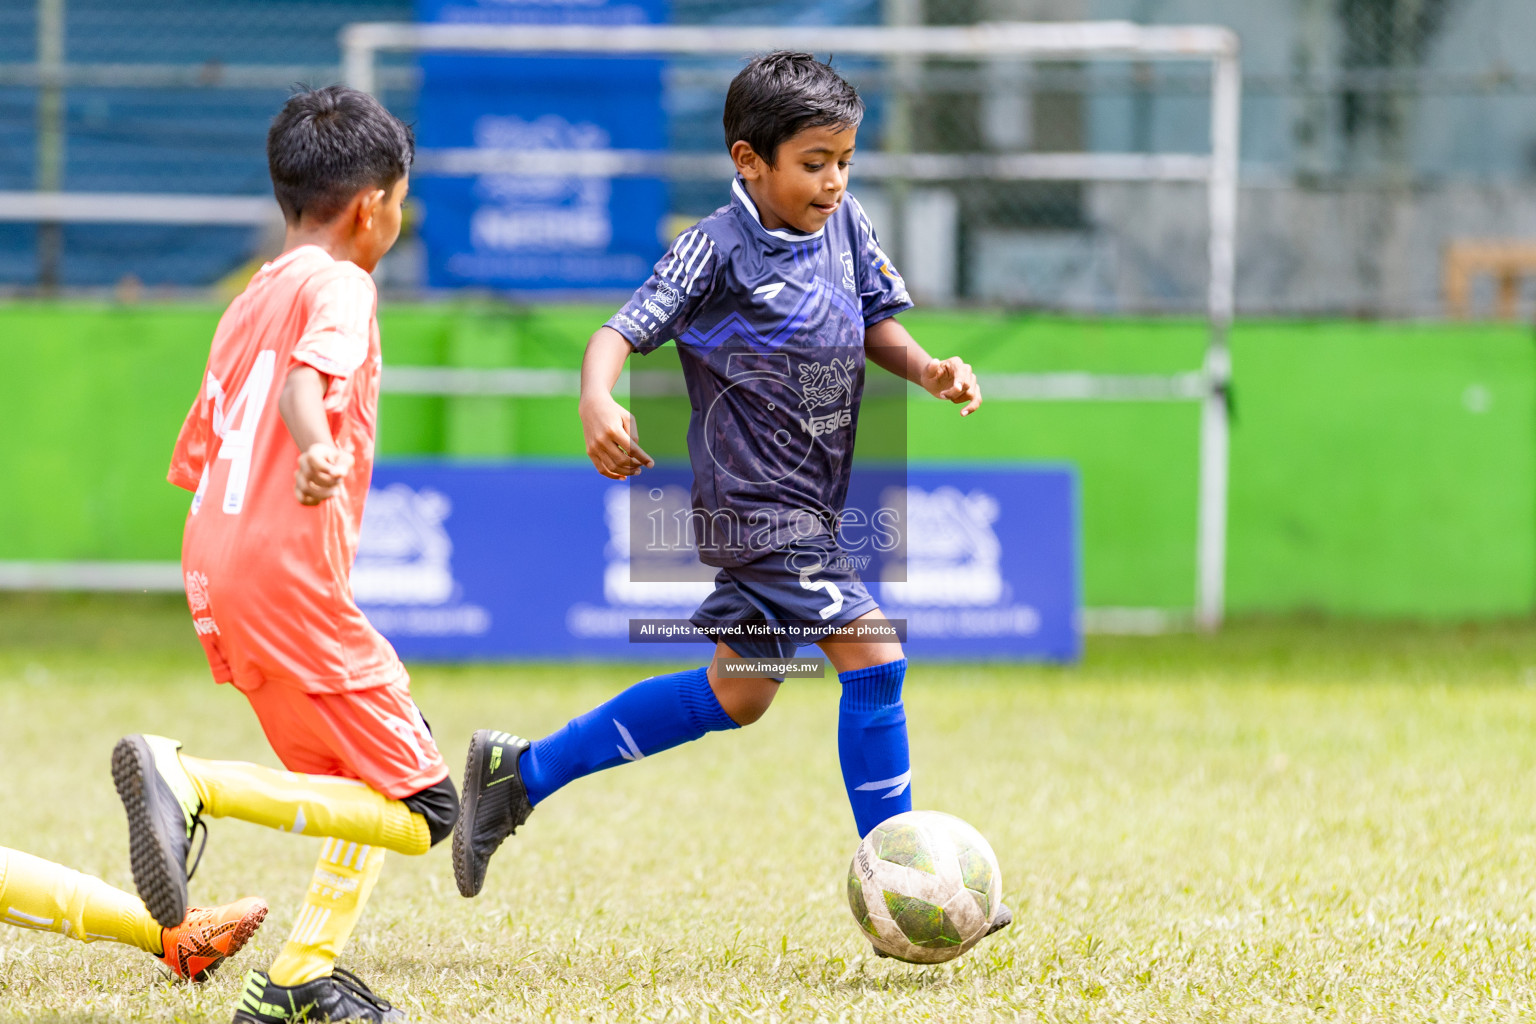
point(363, 41)
point(1218, 172)
point(1032, 40)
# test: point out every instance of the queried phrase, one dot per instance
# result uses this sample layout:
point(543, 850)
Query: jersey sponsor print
point(769, 326)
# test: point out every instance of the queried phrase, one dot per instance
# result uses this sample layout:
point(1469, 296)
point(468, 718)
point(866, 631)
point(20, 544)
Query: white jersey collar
point(789, 236)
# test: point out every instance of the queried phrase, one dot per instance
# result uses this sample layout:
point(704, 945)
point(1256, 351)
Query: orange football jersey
point(268, 579)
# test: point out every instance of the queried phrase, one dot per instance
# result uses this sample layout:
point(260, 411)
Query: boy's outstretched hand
point(952, 379)
point(613, 439)
point(322, 467)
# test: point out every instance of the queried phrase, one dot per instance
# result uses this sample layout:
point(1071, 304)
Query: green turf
point(1290, 822)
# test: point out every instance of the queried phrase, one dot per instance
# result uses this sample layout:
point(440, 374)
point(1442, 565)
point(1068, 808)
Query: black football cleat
point(163, 810)
point(1000, 920)
point(495, 804)
point(338, 996)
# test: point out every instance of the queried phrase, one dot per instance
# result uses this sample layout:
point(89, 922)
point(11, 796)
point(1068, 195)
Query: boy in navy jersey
point(775, 301)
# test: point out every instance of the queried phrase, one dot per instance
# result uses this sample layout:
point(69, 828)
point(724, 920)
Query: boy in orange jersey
point(278, 449)
point(48, 897)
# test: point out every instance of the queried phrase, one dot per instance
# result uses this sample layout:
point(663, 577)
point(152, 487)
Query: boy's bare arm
point(322, 466)
point(890, 347)
point(613, 440)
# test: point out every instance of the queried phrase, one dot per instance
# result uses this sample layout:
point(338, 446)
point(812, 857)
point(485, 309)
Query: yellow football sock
point(343, 879)
point(39, 894)
point(313, 805)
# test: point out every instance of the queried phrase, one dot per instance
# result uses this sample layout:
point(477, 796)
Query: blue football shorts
point(784, 600)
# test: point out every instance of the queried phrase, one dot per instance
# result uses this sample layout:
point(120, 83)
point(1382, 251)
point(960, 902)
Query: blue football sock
point(872, 743)
point(651, 716)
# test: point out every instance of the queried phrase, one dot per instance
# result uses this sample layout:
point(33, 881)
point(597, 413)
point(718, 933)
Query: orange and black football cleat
point(195, 948)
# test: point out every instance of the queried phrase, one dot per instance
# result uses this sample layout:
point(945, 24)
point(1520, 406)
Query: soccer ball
point(923, 886)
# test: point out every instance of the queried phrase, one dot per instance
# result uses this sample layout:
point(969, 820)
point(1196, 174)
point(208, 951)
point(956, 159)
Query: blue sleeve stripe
point(686, 254)
point(697, 262)
point(682, 252)
point(675, 258)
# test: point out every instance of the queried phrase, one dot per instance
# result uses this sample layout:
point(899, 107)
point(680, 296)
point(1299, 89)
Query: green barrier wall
point(1377, 469)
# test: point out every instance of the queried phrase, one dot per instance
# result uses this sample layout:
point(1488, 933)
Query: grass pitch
point(1289, 822)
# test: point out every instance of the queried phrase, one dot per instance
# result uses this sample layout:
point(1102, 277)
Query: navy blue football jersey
point(769, 326)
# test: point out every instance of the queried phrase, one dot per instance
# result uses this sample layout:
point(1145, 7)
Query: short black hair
point(326, 145)
point(780, 94)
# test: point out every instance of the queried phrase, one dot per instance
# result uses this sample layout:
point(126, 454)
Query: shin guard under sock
point(872, 743)
point(649, 717)
point(311, 805)
point(343, 879)
point(39, 894)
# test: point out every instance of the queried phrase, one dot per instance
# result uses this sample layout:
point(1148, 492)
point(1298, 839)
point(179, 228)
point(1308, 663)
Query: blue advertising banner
point(558, 233)
point(461, 562)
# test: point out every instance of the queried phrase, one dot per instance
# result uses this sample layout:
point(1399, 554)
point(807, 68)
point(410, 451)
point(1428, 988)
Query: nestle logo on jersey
point(197, 591)
point(825, 383)
point(663, 303)
point(818, 425)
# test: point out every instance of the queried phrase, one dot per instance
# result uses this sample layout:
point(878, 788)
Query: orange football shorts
point(375, 735)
